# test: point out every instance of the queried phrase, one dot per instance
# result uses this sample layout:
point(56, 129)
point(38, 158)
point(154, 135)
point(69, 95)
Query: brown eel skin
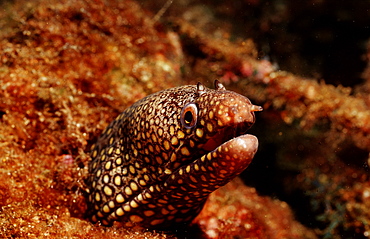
point(155, 165)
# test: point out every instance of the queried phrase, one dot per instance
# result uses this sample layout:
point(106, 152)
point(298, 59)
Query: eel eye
point(189, 115)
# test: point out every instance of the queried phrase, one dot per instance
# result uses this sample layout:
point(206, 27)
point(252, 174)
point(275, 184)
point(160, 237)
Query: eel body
point(155, 165)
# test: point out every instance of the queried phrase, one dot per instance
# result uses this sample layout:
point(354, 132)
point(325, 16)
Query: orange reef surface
point(68, 68)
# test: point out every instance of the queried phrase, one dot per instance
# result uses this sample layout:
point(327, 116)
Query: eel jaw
point(175, 202)
point(222, 164)
point(192, 183)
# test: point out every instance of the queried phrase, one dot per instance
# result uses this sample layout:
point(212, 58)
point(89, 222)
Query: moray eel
point(155, 165)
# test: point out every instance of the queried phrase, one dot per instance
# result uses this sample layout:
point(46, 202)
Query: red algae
point(69, 67)
point(237, 211)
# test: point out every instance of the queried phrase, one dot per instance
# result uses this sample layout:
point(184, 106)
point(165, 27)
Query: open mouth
point(223, 136)
point(230, 145)
point(216, 167)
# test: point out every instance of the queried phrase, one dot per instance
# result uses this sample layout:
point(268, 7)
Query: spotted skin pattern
point(155, 165)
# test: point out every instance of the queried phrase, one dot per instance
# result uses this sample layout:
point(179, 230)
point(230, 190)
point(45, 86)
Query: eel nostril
point(234, 110)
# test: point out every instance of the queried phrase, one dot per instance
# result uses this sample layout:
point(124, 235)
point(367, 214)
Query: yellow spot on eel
point(156, 182)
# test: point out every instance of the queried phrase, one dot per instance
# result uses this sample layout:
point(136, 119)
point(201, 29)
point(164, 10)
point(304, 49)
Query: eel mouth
point(233, 155)
point(220, 165)
point(224, 135)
